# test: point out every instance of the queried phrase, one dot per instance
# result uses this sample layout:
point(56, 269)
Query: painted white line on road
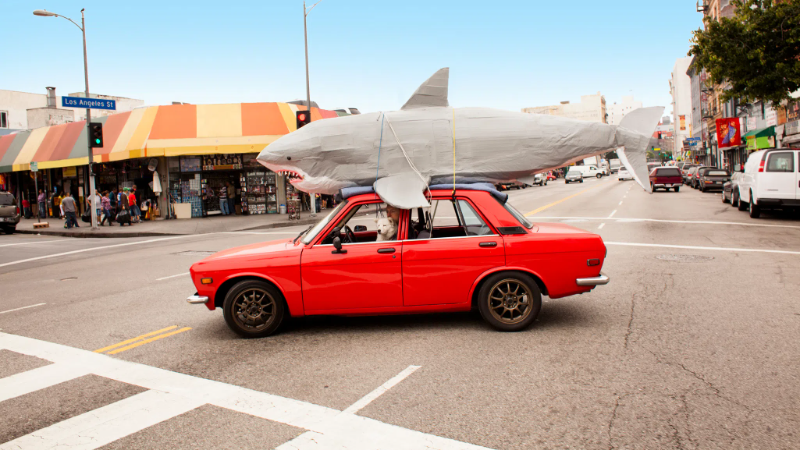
point(28, 243)
point(612, 214)
point(692, 247)
point(367, 399)
point(601, 226)
point(620, 203)
point(693, 222)
point(73, 252)
point(105, 425)
point(331, 428)
point(24, 307)
point(173, 276)
point(36, 379)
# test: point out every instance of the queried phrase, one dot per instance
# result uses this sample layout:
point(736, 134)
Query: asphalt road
point(693, 344)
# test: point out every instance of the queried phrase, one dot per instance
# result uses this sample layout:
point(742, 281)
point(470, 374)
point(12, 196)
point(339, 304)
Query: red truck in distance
point(666, 178)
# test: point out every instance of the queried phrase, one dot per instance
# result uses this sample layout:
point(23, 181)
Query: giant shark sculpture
point(428, 142)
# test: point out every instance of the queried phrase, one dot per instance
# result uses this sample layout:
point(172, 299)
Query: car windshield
point(6, 199)
point(717, 173)
point(518, 215)
point(313, 232)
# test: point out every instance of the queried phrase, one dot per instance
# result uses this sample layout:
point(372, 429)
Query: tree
point(755, 55)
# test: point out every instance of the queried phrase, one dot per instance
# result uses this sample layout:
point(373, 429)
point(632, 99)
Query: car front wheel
point(741, 205)
point(754, 210)
point(509, 301)
point(254, 309)
point(599, 175)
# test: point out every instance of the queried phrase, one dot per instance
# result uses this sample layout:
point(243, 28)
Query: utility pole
point(313, 202)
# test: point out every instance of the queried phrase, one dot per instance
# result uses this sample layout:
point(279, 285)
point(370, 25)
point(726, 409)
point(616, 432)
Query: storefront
point(792, 134)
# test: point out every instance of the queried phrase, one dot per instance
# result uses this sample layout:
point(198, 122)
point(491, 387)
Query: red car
point(666, 178)
point(470, 249)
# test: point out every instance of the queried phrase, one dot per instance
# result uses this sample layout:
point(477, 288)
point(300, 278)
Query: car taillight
point(761, 164)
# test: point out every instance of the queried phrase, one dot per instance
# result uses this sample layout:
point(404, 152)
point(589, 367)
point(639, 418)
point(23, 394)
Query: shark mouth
point(292, 176)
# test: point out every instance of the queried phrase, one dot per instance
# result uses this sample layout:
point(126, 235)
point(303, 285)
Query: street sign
point(90, 103)
point(34, 166)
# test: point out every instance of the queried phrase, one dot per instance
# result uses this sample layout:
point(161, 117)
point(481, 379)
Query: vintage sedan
point(469, 250)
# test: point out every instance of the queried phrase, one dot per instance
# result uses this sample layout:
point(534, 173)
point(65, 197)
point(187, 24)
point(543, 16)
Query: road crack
point(630, 321)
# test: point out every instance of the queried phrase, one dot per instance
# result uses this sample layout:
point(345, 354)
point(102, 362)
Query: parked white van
point(588, 171)
point(771, 180)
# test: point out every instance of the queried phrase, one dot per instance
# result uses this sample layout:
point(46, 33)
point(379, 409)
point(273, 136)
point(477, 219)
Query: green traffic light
point(97, 141)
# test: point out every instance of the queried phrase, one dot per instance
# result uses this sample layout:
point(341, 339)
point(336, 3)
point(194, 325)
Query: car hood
point(261, 252)
point(559, 228)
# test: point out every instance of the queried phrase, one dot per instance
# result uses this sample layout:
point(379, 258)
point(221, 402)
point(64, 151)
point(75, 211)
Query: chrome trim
point(197, 299)
point(594, 281)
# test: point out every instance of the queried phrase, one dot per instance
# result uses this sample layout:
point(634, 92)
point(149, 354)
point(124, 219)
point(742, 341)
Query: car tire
point(724, 198)
point(741, 205)
point(581, 180)
point(566, 182)
point(599, 175)
point(677, 188)
point(753, 209)
point(501, 291)
point(702, 188)
point(734, 198)
point(237, 307)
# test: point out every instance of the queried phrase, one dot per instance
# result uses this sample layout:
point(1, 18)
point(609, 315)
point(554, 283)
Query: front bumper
point(197, 299)
point(593, 281)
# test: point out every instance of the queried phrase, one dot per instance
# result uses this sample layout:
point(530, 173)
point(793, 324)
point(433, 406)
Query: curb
point(283, 224)
point(92, 235)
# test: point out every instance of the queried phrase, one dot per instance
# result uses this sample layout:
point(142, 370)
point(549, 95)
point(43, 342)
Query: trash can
point(282, 209)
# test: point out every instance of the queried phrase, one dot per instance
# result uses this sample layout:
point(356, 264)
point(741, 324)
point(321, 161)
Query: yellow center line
point(147, 341)
point(538, 210)
point(119, 344)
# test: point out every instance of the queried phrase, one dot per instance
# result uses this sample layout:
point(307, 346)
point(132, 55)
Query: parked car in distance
point(588, 171)
point(573, 176)
point(623, 174)
point(713, 179)
point(540, 179)
point(770, 181)
point(510, 185)
point(491, 259)
point(551, 176)
point(666, 178)
point(685, 172)
point(615, 165)
point(729, 189)
point(9, 213)
point(694, 182)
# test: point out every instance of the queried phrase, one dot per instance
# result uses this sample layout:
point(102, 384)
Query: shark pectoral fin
point(403, 191)
point(433, 92)
point(634, 133)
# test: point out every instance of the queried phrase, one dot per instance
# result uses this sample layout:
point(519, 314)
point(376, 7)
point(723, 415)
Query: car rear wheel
point(254, 309)
point(509, 301)
point(741, 205)
point(599, 175)
point(734, 198)
point(677, 188)
point(754, 210)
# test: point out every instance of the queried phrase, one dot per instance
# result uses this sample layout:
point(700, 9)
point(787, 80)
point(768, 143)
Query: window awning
point(169, 130)
point(764, 132)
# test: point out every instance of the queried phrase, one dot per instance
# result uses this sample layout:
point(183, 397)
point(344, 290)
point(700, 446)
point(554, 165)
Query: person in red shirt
point(135, 212)
point(26, 208)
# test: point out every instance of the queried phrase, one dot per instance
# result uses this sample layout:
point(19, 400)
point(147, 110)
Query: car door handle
point(488, 244)
point(386, 250)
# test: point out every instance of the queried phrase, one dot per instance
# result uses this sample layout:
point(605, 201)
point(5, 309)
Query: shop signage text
point(90, 103)
point(792, 127)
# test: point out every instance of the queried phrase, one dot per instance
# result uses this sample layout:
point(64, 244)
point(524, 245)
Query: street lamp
point(82, 27)
point(306, 12)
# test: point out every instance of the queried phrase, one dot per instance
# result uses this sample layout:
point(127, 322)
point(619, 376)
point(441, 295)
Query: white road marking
point(173, 276)
point(692, 247)
point(694, 222)
point(36, 379)
point(620, 203)
point(367, 399)
point(612, 214)
point(56, 255)
point(331, 428)
point(601, 226)
point(104, 425)
point(28, 243)
point(24, 307)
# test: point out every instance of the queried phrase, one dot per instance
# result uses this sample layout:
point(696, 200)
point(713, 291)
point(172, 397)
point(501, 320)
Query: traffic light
point(303, 118)
point(95, 134)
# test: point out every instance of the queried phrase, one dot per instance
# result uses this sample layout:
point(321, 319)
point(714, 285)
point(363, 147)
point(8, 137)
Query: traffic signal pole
point(88, 121)
point(308, 90)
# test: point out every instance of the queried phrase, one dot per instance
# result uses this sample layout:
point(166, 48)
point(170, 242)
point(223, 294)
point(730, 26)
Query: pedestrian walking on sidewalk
point(107, 214)
point(223, 200)
point(42, 201)
point(70, 211)
point(135, 211)
point(26, 208)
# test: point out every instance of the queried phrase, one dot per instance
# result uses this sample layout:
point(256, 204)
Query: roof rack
point(484, 186)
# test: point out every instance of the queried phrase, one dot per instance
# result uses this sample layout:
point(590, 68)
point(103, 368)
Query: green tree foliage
point(756, 54)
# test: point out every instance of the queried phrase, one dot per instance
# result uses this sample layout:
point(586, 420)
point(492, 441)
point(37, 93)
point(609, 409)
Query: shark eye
point(288, 158)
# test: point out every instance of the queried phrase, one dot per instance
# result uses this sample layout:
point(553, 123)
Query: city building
point(26, 110)
point(680, 86)
point(616, 111)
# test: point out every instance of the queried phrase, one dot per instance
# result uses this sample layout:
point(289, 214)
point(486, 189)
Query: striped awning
point(169, 130)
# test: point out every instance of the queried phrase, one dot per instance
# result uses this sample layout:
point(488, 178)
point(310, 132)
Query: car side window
point(780, 162)
point(367, 222)
point(473, 223)
point(446, 219)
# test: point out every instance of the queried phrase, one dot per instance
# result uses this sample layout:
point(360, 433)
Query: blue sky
point(367, 54)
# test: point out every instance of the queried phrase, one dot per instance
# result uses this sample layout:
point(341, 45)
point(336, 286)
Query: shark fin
point(404, 191)
point(433, 92)
point(634, 133)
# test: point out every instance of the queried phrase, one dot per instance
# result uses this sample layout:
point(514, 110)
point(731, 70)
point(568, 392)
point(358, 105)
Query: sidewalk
point(212, 224)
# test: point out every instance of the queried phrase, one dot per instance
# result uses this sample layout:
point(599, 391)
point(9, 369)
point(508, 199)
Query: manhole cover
point(195, 253)
point(685, 258)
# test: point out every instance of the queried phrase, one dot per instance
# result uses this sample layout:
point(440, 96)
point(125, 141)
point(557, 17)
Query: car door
point(779, 178)
point(366, 275)
point(442, 263)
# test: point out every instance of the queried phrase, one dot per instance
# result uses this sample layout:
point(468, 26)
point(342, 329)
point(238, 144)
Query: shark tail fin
point(633, 136)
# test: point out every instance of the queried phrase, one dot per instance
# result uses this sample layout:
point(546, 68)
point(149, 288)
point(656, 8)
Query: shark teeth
point(291, 175)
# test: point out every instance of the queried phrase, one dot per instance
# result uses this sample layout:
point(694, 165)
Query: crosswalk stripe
point(104, 425)
point(36, 379)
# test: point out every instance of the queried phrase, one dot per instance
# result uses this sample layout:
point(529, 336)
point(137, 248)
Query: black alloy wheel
point(509, 301)
point(254, 309)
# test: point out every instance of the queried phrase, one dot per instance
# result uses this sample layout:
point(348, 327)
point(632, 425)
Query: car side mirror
point(337, 244)
point(359, 228)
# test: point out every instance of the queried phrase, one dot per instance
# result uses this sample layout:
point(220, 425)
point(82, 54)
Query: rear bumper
point(197, 299)
point(778, 203)
point(593, 281)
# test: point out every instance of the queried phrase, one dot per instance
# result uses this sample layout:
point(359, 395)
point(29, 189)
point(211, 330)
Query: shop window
point(3, 119)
